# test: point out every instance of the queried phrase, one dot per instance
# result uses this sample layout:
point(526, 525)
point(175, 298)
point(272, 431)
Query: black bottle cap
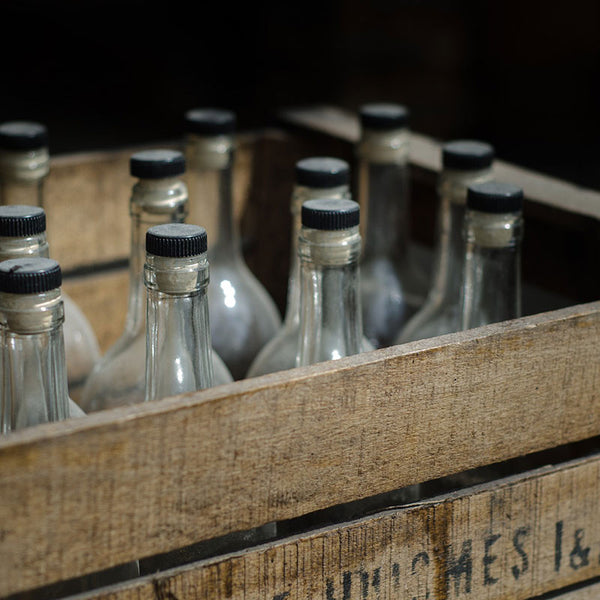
point(322, 172)
point(156, 164)
point(383, 116)
point(29, 275)
point(18, 220)
point(210, 121)
point(494, 197)
point(176, 240)
point(23, 135)
point(467, 155)
point(330, 214)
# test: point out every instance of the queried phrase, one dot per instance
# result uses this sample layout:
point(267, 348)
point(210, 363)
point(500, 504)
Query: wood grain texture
point(103, 299)
point(589, 592)
point(517, 538)
point(79, 496)
point(425, 153)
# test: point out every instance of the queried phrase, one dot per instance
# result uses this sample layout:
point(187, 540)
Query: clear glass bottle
point(243, 317)
point(24, 166)
point(179, 354)
point(317, 177)
point(329, 247)
point(23, 235)
point(493, 236)
point(393, 288)
point(464, 162)
point(34, 379)
point(159, 196)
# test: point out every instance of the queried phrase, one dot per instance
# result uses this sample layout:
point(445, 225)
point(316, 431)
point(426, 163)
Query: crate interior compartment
point(80, 497)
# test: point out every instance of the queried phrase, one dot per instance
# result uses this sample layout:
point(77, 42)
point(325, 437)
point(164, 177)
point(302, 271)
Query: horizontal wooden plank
point(83, 495)
point(516, 539)
point(425, 153)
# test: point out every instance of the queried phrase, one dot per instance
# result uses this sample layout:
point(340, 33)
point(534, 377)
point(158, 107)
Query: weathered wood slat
point(517, 538)
point(425, 153)
point(103, 299)
point(589, 592)
point(76, 497)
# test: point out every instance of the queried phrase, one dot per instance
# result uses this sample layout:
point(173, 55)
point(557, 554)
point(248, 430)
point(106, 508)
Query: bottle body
point(118, 379)
point(22, 177)
point(492, 280)
point(33, 374)
point(441, 313)
point(179, 356)
point(392, 286)
point(330, 302)
point(243, 317)
point(281, 352)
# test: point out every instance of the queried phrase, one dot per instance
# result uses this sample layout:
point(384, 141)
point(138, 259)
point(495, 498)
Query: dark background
point(522, 75)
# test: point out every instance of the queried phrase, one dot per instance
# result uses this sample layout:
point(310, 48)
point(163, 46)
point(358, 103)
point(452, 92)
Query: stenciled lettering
point(520, 533)
point(457, 567)
point(488, 559)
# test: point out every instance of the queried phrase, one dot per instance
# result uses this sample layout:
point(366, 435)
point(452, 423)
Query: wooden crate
point(85, 495)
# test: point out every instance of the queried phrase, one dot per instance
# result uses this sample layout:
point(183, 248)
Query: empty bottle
point(493, 236)
point(393, 288)
point(23, 235)
point(158, 197)
point(464, 162)
point(24, 165)
point(34, 378)
point(179, 355)
point(317, 177)
point(330, 306)
point(243, 317)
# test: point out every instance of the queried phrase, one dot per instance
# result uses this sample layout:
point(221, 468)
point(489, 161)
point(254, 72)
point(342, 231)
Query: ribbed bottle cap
point(156, 164)
point(23, 135)
point(210, 121)
point(322, 172)
point(330, 214)
point(383, 117)
point(467, 155)
point(18, 220)
point(494, 197)
point(176, 240)
point(29, 275)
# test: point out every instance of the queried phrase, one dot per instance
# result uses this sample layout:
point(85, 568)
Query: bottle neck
point(19, 247)
point(492, 276)
point(210, 174)
point(449, 253)
point(330, 315)
point(300, 195)
point(383, 192)
point(153, 202)
point(178, 344)
point(22, 176)
point(33, 372)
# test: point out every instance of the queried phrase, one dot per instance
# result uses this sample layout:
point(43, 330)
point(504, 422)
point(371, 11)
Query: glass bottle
point(23, 235)
point(243, 317)
point(464, 162)
point(34, 380)
point(317, 177)
point(392, 287)
point(24, 165)
point(158, 197)
point(179, 354)
point(493, 235)
point(330, 312)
